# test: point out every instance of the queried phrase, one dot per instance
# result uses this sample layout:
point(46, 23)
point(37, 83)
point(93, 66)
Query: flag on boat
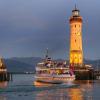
point(71, 69)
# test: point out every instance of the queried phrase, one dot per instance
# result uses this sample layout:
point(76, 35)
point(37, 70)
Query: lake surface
point(23, 87)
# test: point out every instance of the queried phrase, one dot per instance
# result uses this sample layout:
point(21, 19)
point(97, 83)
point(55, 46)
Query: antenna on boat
point(46, 56)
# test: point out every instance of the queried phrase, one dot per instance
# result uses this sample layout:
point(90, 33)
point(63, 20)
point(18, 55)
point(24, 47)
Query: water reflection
point(3, 84)
point(83, 92)
point(3, 98)
point(52, 94)
point(75, 94)
point(40, 84)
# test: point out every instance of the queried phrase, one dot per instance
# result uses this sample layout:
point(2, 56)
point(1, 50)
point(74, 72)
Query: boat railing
point(54, 75)
point(61, 67)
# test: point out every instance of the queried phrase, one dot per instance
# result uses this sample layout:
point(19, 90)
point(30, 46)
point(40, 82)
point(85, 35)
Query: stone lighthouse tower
point(76, 51)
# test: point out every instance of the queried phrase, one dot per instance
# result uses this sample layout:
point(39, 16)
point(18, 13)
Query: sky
point(28, 27)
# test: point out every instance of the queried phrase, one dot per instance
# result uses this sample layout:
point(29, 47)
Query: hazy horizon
point(44, 58)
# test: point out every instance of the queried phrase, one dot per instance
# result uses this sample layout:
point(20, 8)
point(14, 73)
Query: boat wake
point(33, 88)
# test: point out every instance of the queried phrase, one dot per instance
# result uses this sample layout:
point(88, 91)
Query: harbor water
point(23, 87)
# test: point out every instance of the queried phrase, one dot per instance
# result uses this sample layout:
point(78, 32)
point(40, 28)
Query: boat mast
point(46, 56)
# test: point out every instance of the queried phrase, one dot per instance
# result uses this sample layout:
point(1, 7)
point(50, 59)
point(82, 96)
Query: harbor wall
point(85, 75)
point(5, 76)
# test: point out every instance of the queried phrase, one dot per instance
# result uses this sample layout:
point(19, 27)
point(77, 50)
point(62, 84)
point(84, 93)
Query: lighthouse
point(76, 51)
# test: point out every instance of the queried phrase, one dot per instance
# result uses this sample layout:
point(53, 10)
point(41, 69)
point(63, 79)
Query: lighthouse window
point(75, 40)
point(75, 25)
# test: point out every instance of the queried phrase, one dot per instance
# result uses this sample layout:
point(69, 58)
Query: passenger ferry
point(50, 71)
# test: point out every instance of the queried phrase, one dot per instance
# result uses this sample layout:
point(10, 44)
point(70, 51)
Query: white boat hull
point(55, 78)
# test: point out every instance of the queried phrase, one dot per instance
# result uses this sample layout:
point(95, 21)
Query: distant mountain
point(23, 64)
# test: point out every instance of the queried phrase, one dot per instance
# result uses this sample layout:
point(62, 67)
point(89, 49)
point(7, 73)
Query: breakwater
point(5, 76)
